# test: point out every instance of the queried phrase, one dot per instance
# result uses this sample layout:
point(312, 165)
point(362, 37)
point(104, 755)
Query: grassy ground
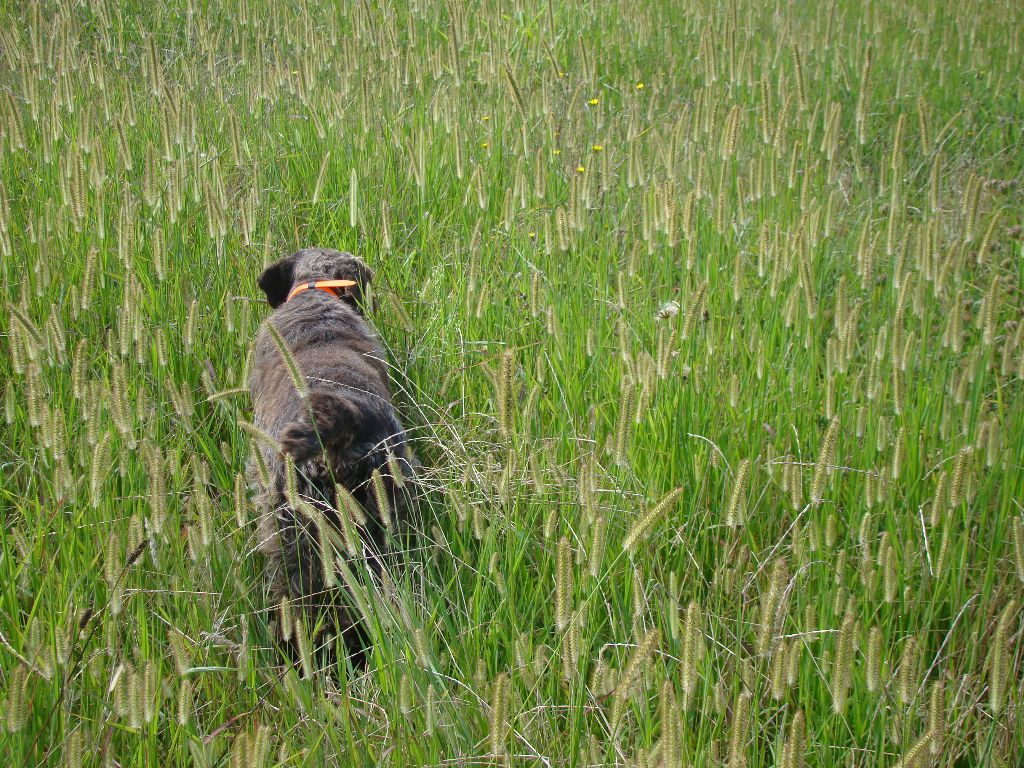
point(767, 254)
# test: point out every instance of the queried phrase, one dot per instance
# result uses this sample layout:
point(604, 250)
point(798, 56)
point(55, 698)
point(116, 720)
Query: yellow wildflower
point(594, 102)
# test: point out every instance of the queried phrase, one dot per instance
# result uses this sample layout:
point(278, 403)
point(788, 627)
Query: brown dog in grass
point(341, 435)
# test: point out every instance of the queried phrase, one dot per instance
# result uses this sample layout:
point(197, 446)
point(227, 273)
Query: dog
point(343, 431)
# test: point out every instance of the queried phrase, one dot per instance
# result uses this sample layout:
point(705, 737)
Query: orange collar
point(328, 286)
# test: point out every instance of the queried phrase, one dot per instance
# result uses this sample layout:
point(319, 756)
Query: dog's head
point(279, 278)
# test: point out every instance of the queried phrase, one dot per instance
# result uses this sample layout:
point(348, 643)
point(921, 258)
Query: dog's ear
point(276, 280)
point(356, 269)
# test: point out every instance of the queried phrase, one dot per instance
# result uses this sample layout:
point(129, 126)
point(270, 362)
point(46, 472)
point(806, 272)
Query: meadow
point(706, 321)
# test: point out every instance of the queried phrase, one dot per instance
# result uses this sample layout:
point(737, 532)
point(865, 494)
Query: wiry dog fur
point(340, 433)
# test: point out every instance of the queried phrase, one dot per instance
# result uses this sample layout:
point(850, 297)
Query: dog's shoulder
point(324, 336)
point(318, 325)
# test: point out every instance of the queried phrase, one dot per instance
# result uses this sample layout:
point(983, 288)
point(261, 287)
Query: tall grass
point(706, 322)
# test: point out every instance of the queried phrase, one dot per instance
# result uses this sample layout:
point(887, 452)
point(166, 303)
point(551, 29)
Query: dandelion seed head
point(667, 310)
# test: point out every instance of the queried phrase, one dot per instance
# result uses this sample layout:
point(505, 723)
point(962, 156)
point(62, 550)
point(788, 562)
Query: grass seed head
point(298, 379)
point(936, 717)
point(772, 606)
point(736, 512)
point(1001, 660)
point(640, 529)
point(861, 115)
point(909, 670)
point(382, 498)
point(631, 674)
point(693, 646)
point(498, 715)
point(795, 747)
point(842, 660)
point(16, 706)
point(739, 732)
point(1018, 546)
point(826, 455)
point(873, 660)
point(563, 584)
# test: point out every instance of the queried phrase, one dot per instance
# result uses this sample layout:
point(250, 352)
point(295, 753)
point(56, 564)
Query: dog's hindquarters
point(356, 444)
point(331, 424)
point(354, 441)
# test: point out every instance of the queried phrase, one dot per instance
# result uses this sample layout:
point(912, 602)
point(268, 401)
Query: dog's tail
point(332, 421)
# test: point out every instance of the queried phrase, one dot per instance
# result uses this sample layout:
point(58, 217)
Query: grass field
point(706, 320)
